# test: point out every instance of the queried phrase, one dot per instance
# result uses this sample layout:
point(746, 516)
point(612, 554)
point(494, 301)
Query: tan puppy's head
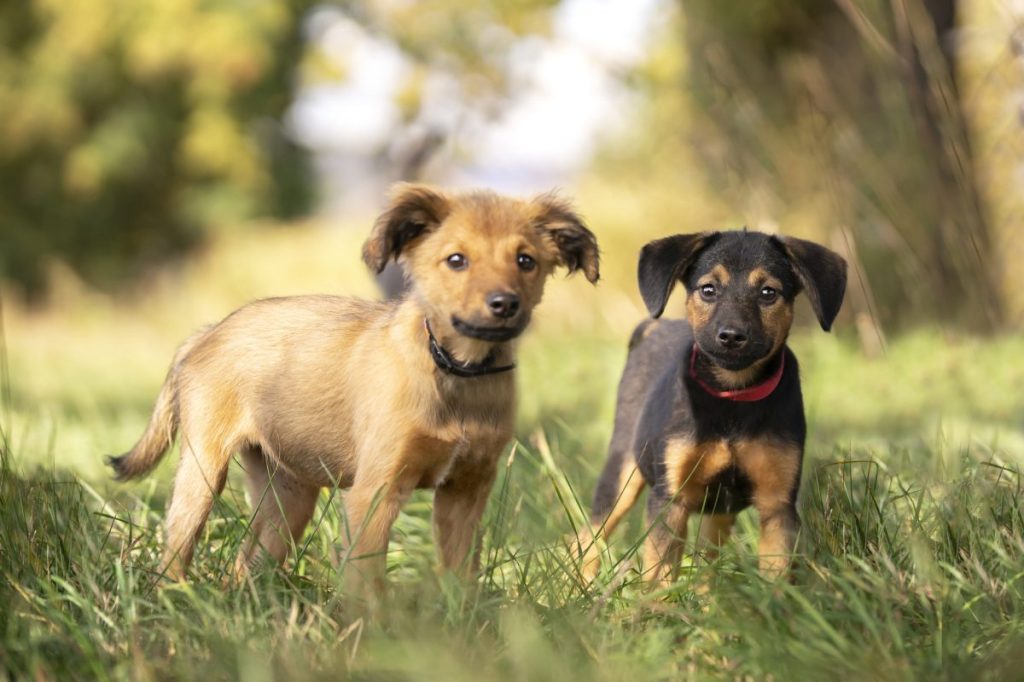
point(477, 262)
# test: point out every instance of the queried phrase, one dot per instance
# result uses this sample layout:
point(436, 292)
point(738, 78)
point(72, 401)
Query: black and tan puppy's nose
point(503, 304)
point(731, 338)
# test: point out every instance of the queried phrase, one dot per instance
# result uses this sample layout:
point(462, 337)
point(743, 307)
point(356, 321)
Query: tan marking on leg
point(663, 548)
point(774, 470)
point(631, 484)
point(715, 530)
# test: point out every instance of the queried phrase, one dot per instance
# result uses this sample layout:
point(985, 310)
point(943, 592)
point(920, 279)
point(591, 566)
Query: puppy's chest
point(458, 442)
point(692, 465)
point(724, 474)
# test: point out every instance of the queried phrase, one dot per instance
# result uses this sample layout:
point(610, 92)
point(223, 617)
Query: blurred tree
point(857, 100)
point(461, 72)
point(129, 129)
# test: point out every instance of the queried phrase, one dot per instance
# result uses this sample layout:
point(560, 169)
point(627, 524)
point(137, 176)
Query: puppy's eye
point(708, 291)
point(457, 261)
point(768, 295)
point(525, 262)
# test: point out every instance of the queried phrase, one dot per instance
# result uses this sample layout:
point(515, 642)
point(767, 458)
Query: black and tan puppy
point(709, 411)
point(378, 398)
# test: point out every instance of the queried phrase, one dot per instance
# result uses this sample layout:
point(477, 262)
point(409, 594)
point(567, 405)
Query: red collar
point(743, 395)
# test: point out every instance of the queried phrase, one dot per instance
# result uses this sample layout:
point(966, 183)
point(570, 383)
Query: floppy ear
point(414, 209)
point(663, 262)
point(576, 244)
point(821, 272)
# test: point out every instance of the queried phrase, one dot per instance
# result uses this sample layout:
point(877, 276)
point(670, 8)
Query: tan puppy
point(379, 398)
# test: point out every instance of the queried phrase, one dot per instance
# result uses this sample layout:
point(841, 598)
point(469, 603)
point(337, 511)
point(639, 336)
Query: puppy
point(378, 398)
point(709, 411)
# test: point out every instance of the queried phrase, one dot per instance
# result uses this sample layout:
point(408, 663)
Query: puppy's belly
point(729, 492)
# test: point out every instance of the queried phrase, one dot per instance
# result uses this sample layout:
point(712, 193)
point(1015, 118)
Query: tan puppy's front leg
point(459, 504)
point(371, 507)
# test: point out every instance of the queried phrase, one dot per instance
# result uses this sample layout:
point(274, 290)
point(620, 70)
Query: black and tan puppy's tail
point(163, 424)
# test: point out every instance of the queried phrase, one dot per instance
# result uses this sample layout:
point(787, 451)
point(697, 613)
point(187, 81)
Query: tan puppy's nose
point(503, 304)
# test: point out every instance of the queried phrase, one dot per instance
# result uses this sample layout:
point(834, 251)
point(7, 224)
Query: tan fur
point(317, 391)
point(776, 318)
point(631, 484)
point(773, 468)
point(663, 548)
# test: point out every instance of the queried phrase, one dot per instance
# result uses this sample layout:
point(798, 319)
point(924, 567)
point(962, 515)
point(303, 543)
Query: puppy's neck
point(723, 379)
point(462, 349)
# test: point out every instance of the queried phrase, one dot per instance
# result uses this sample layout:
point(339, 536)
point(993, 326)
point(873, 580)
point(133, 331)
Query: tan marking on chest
point(773, 468)
point(689, 467)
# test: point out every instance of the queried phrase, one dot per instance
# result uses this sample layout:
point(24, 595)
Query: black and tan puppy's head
point(740, 288)
point(478, 261)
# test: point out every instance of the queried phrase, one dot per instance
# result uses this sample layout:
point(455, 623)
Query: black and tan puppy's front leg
point(663, 549)
point(774, 470)
point(459, 504)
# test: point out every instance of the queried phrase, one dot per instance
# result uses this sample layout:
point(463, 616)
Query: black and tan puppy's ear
point(821, 272)
point(576, 244)
point(413, 211)
point(663, 262)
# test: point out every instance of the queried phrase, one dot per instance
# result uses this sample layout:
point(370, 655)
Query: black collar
point(449, 365)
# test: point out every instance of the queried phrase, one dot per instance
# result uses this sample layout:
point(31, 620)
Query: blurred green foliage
point(859, 103)
point(129, 129)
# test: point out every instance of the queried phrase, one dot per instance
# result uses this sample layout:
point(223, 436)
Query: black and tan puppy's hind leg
point(617, 491)
point(282, 507)
point(774, 470)
point(666, 539)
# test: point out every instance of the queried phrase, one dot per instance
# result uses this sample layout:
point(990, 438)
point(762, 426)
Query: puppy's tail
point(163, 424)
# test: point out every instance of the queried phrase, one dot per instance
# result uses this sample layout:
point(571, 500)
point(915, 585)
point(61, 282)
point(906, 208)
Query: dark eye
point(457, 261)
point(768, 295)
point(708, 291)
point(525, 262)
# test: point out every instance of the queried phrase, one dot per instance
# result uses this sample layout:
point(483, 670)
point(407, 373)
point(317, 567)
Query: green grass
point(910, 555)
point(910, 561)
point(910, 568)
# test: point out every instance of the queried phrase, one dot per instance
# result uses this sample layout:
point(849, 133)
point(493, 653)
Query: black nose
point(503, 304)
point(730, 337)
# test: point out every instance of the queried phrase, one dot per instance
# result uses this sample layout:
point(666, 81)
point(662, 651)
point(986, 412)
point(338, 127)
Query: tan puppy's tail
point(163, 424)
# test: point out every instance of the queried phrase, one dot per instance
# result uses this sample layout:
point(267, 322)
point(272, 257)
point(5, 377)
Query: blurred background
point(164, 161)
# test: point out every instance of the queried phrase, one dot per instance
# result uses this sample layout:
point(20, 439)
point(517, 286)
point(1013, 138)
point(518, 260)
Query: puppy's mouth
point(484, 333)
point(734, 360)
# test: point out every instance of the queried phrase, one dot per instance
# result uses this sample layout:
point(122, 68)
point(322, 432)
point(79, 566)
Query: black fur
point(658, 401)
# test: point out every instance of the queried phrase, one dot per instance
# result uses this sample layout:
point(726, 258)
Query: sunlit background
point(164, 161)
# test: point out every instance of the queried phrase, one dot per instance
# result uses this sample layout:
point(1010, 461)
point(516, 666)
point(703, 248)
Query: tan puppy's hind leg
point(282, 507)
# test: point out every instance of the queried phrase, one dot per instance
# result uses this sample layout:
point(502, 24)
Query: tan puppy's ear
point(822, 274)
point(664, 262)
point(413, 211)
point(575, 243)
